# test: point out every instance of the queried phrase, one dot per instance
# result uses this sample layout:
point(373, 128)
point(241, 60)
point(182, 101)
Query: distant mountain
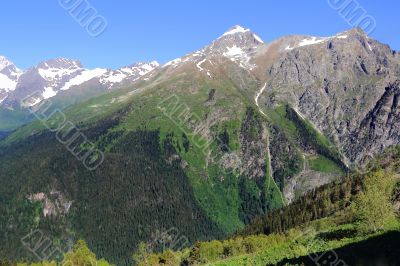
point(9, 75)
point(52, 77)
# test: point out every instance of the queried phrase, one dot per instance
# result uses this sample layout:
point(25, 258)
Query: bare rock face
point(254, 146)
point(379, 129)
point(345, 85)
point(54, 204)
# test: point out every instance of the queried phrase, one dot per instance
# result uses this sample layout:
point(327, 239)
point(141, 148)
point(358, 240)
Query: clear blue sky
point(33, 31)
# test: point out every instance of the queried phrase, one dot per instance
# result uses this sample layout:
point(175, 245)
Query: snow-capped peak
point(237, 44)
point(236, 29)
point(130, 73)
point(57, 69)
point(60, 63)
point(4, 62)
point(241, 30)
point(9, 75)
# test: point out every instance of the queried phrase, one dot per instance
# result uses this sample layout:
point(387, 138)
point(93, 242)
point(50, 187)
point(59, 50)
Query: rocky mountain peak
point(9, 75)
point(237, 36)
point(354, 32)
point(149, 66)
point(237, 44)
point(236, 29)
point(4, 62)
point(60, 63)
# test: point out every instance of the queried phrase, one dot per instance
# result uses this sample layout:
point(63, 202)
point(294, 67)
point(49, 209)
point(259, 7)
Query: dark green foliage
point(223, 141)
point(286, 159)
point(252, 204)
point(314, 205)
point(211, 95)
point(185, 141)
point(131, 195)
point(251, 126)
point(252, 189)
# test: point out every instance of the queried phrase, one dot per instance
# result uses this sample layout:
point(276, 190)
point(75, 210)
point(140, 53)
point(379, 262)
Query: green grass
point(322, 164)
point(276, 199)
point(279, 118)
point(318, 236)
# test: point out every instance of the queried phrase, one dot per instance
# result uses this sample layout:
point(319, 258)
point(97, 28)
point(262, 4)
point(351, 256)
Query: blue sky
point(33, 31)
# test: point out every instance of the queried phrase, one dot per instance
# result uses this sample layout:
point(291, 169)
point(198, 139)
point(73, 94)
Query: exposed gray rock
point(341, 84)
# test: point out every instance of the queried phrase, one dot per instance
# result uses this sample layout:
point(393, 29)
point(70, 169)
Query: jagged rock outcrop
point(338, 83)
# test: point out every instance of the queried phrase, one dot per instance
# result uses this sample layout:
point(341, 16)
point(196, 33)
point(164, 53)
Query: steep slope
point(340, 84)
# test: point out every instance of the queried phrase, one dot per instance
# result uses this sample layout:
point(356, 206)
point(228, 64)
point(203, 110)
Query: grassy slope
point(322, 164)
point(317, 237)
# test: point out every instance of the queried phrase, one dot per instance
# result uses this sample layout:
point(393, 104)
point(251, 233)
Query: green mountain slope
point(340, 223)
point(219, 180)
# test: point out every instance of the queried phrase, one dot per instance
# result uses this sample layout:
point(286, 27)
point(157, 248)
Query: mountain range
point(204, 143)
point(56, 77)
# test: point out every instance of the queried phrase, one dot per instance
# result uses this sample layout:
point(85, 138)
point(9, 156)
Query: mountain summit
point(9, 75)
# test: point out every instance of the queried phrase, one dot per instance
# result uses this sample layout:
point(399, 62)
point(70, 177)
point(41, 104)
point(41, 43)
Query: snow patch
point(258, 38)
point(237, 54)
point(6, 83)
point(84, 76)
point(198, 65)
point(51, 74)
point(233, 51)
point(236, 29)
point(33, 102)
point(113, 77)
point(173, 62)
point(311, 41)
point(369, 46)
point(48, 93)
point(315, 40)
point(258, 96)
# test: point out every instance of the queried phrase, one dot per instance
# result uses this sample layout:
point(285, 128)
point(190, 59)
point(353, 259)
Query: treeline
point(315, 204)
